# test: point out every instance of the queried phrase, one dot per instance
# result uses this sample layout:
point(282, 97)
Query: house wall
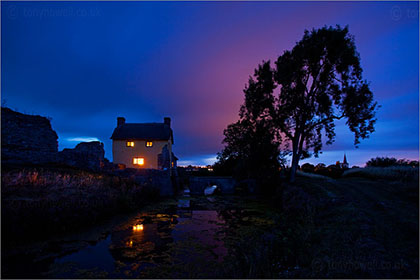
point(123, 154)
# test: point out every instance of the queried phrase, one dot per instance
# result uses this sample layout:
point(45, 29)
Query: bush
point(332, 171)
point(386, 162)
point(308, 168)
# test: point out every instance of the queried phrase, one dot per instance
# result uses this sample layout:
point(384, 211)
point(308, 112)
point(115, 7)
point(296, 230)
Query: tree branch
point(327, 119)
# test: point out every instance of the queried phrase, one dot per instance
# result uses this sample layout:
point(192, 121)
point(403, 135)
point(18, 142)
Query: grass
point(400, 173)
point(343, 228)
point(311, 175)
point(351, 227)
point(44, 201)
point(354, 227)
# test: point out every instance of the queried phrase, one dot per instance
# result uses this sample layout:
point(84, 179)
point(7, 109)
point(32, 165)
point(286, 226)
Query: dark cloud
point(85, 63)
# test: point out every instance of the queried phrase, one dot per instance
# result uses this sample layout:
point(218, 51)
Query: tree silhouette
point(320, 81)
point(252, 143)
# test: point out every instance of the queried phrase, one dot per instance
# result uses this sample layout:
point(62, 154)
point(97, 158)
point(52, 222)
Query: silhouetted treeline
point(386, 162)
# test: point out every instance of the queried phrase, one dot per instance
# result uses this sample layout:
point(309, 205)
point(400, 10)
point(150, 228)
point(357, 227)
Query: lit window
point(139, 161)
point(138, 227)
point(149, 143)
point(130, 144)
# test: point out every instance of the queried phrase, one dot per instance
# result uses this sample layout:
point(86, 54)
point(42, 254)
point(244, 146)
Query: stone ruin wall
point(31, 139)
point(27, 138)
point(86, 155)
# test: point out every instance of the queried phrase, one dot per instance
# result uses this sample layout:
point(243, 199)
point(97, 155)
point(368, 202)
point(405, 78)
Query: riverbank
point(41, 201)
point(326, 228)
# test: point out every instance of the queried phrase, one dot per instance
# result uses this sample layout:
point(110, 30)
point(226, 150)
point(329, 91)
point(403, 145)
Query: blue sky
point(85, 63)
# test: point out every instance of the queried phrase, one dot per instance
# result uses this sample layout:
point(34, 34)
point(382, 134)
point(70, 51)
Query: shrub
point(386, 162)
point(332, 171)
point(307, 167)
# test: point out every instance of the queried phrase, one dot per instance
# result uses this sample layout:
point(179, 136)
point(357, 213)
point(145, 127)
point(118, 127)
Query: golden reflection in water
point(138, 227)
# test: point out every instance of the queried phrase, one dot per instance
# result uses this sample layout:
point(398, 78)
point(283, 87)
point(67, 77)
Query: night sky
point(84, 64)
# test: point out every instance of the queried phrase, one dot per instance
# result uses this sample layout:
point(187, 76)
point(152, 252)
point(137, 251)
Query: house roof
point(143, 131)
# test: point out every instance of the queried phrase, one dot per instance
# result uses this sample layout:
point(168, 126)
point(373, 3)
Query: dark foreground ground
point(362, 228)
point(324, 228)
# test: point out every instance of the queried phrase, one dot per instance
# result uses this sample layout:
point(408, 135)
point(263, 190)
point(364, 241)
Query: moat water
point(147, 241)
point(182, 239)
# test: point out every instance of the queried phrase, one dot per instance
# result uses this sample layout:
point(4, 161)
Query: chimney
point(167, 121)
point(120, 121)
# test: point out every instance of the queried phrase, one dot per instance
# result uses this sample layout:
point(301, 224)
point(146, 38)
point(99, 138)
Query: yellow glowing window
point(138, 160)
point(138, 227)
point(149, 143)
point(130, 144)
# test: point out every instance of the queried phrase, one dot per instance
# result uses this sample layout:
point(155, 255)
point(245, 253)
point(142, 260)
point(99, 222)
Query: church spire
point(345, 159)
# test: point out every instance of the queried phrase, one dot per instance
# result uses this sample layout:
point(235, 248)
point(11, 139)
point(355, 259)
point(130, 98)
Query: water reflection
point(138, 227)
point(149, 240)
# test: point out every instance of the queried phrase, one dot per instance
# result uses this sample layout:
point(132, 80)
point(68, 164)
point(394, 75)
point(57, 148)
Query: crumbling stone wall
point(160, 179)
point(27, 138)
point(86, 155)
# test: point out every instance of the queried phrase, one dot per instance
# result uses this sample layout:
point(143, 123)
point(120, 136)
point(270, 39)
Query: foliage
point(319, 81)
point(46, 201)
point(252, 143)
point(307, 167)
point(386, 162)
point(333, 171)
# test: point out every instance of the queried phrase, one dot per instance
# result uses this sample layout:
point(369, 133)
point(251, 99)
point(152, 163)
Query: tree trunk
point(297, 153)
point(295, 161)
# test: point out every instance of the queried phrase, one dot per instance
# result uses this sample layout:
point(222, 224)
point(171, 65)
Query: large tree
point(320, 81)
point(252, 143)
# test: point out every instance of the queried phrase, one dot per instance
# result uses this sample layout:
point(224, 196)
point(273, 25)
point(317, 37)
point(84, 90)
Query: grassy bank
point(394, 173)
point(354, 227)
point(41, 201)
point(320, 227)
point(327, 228)
point(345, 228)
